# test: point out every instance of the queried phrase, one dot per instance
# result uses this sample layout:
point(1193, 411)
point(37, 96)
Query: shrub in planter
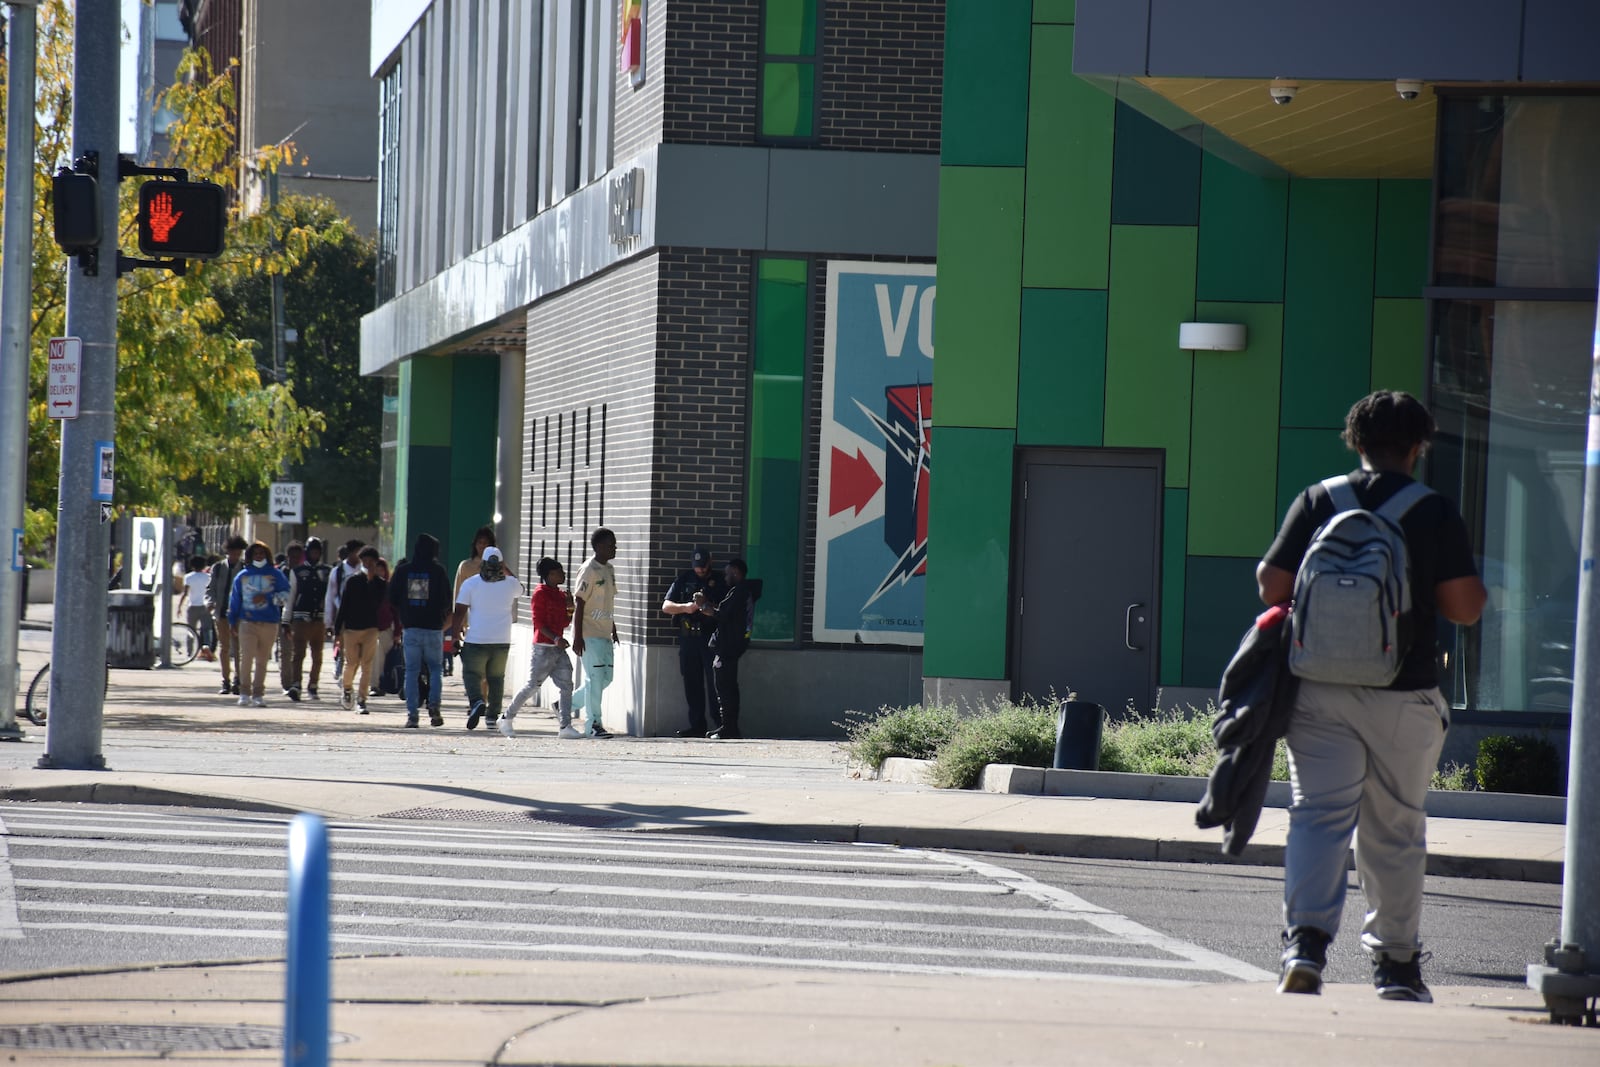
point(915, 732)
point(1518, 764)
point(1022, 734)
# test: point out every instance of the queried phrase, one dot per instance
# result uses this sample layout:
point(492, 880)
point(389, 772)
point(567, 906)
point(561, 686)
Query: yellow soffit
point(1331, 129)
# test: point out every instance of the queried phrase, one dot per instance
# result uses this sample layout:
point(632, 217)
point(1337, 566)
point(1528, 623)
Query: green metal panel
point(1402, 267)
point(1070, 138)
point(402, 456)
point(777, 416)
point(1400, 345)
point(969, 554)
point(1148, 377)
point(1233, 468)
point(1157, 174)
point(427, 406)
point(1221, 601)
point(1243, 222)
point(1062, 11)
point(474, 453)
point(985, 117)
point(980, 275)
point(1061, 379)
point(426, 496)
point(1174, 557)
point(1327, 323)
point(1306, 456)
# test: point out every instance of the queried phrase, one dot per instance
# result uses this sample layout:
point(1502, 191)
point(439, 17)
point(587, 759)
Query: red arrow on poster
point(852, 482)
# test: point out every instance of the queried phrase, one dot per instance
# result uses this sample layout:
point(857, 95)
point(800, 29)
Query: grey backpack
point(1351, 623)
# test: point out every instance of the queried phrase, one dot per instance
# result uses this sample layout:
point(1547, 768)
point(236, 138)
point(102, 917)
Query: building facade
point(1404, 210)
point(635, 261)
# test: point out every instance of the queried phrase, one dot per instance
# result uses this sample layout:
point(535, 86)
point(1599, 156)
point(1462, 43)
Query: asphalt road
point(84, 885)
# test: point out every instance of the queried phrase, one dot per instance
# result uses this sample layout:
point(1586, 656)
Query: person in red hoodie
point(552, 614)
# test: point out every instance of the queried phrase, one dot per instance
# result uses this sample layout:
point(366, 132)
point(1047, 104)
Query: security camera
point(1407, 88)
point(1283, 91)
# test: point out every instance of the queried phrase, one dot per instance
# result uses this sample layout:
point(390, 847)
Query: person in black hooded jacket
point(419, 592)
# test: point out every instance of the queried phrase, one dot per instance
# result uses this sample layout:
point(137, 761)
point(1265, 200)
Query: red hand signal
point(162, 217)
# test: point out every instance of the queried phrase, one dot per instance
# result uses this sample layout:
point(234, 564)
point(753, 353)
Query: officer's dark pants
point(727, 671)
point(699, 678)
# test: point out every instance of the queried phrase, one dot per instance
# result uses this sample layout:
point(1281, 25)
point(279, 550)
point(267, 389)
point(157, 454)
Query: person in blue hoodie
point(255, 610)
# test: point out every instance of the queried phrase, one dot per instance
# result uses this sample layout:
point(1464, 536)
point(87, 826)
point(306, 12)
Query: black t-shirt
point(1436, 542)
point(684, 587)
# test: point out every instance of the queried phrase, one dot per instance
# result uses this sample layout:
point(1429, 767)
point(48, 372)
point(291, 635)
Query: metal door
point(1088, 572)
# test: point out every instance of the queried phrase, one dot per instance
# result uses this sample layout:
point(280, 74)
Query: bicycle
point(37, 705)
point(183, 642)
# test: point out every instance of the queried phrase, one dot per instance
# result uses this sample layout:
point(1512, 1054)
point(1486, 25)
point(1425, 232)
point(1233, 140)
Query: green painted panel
point(979, 308)
point(1402, 267)
point(1070, 139)
point(1327, 322)
point(1148, 377)
point(1233, 468)
point(985, 117)
point(1243, 223)
point(427, 496)
point(788, 99)
point(969, 554)
point(474, 452)
point(1174, 553)
point(1221, 596)
point(1063, 11)
point(428, 403)
point(1399, 345)
point(790, 27)
point(1061, 378)
point(1306, 456)
point(1157, 174)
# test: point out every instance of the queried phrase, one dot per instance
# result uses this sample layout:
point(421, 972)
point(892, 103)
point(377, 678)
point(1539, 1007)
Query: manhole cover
point(128, 1037)
point(555, 818)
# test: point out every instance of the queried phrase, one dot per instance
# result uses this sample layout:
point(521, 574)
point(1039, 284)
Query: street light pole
point(16, 319)
point(78, 640)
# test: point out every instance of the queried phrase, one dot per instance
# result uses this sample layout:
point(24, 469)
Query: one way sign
point(287, 503)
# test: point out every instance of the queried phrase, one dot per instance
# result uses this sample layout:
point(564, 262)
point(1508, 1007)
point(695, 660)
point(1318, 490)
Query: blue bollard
point(305, 1001)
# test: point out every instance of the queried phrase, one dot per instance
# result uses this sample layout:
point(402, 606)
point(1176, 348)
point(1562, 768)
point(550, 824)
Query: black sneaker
point(411, 724)
point(311, 694)
point(600, 732)
point(1397, 980)
point(361, 707)
point(688, 732)
point(1305, 954)
point(236, 687)
point(474, 715)
point(227, 690)
point(434, 718)
point(293, 693)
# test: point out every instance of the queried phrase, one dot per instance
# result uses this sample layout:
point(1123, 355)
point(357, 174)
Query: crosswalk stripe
point(10, 926)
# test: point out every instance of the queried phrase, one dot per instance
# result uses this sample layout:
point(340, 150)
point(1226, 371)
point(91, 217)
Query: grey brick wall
point(881, 70)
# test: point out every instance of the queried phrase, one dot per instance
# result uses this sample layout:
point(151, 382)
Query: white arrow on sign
point(61, 386)
point(287, 503)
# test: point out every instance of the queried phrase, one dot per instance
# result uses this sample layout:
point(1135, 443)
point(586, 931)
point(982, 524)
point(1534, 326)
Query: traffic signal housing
point(182, 220)
point(75, 202)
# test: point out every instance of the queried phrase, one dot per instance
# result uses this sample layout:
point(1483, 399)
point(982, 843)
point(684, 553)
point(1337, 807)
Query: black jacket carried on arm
point(419, 589)
point(1256, 697)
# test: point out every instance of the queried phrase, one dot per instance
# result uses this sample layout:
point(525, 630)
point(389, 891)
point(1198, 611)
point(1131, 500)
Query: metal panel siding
point(1306, 456)
point(969, 554)
point(1403, 218)
point(462, 98)
point(1061, 376)
point(1156, 174)
point(986, 82)
point(1559, 39)
point(1400, 346)
point(852, 202)
point(1220, 600)
point(1112, 36)
point(432, 146)
point(1243, 225)
point(1174, 566)
point(1060, 11)
point(412, 105)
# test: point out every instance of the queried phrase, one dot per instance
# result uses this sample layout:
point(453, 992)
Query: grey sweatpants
point(1360, 755)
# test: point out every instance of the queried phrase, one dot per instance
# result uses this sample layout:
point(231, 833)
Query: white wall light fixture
point(1212, 336)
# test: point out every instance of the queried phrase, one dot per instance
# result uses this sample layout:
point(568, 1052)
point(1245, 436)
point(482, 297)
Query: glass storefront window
point(777, 421)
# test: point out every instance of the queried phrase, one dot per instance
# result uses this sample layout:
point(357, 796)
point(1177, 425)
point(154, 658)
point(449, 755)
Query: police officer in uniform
point(308, 584)
point(693, 588)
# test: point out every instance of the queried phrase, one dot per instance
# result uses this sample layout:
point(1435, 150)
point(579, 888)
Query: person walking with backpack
point(1371, 561)
point(308, 586)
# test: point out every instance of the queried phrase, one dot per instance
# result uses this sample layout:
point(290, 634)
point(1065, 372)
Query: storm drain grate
point(554, 818)
point(129, 1037)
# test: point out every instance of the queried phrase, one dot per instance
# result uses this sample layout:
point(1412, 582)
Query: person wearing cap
point(486, 608)
point(690, 591)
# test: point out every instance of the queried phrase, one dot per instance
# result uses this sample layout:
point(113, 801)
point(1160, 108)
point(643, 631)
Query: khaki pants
point(255, 652)
point(360, 649)
point(309, 635)
point(227, 645)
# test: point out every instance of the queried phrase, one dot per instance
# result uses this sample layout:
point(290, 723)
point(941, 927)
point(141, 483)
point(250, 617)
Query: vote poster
point(876, 459)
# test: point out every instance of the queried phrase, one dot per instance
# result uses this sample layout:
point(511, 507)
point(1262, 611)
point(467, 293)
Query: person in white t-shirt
point(486, 606)
point(193, 601)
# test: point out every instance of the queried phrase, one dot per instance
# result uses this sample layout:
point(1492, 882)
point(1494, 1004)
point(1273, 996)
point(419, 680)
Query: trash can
point(130, 629)
point(1078, 736)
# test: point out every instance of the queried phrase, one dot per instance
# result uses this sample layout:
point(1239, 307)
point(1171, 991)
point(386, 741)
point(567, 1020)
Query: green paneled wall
point(1243, 222)
point(1054, 10)
point(1233, 467)
point(1400, 346)
point(985, 118)
point(1061, 378)
point(447, 451)
point(980, 296)
point(1156, 175)
point(1148, 377)
point(1327, 322)
point(1306, 456)
point(1221, 597)
point(1068, 230)
point(1174, 561)
point(474, 433)
point(1402, 262)
point(969, 553)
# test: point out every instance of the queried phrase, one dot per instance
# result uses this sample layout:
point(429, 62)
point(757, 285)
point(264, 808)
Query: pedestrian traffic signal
point(184, 220)
point(75, 200)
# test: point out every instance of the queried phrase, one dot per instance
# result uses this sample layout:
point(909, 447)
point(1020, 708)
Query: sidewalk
point(170, 739)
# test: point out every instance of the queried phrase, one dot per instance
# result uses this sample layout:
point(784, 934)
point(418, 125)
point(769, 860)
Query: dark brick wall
point(702, 376)
point(881, 73)
point(636, 121)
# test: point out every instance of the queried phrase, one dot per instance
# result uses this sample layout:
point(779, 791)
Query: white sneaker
point(257, 702)
point(569, 733)
point(244, 701)
point(505, 726)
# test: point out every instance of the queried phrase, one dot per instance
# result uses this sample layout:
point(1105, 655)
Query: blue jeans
point(423, 648)
point(599, 664)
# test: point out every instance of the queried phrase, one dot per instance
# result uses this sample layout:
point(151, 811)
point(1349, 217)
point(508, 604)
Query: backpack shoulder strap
point(1344, 497)
point(1394, 509)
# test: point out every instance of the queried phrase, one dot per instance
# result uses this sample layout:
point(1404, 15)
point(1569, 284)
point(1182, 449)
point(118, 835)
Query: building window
point(168, 25)
point(790, 32)
point(777, 432)
point(1513, 300)
point(388, 183)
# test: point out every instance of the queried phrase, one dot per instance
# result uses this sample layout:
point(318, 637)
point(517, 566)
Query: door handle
point(1127, 628)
